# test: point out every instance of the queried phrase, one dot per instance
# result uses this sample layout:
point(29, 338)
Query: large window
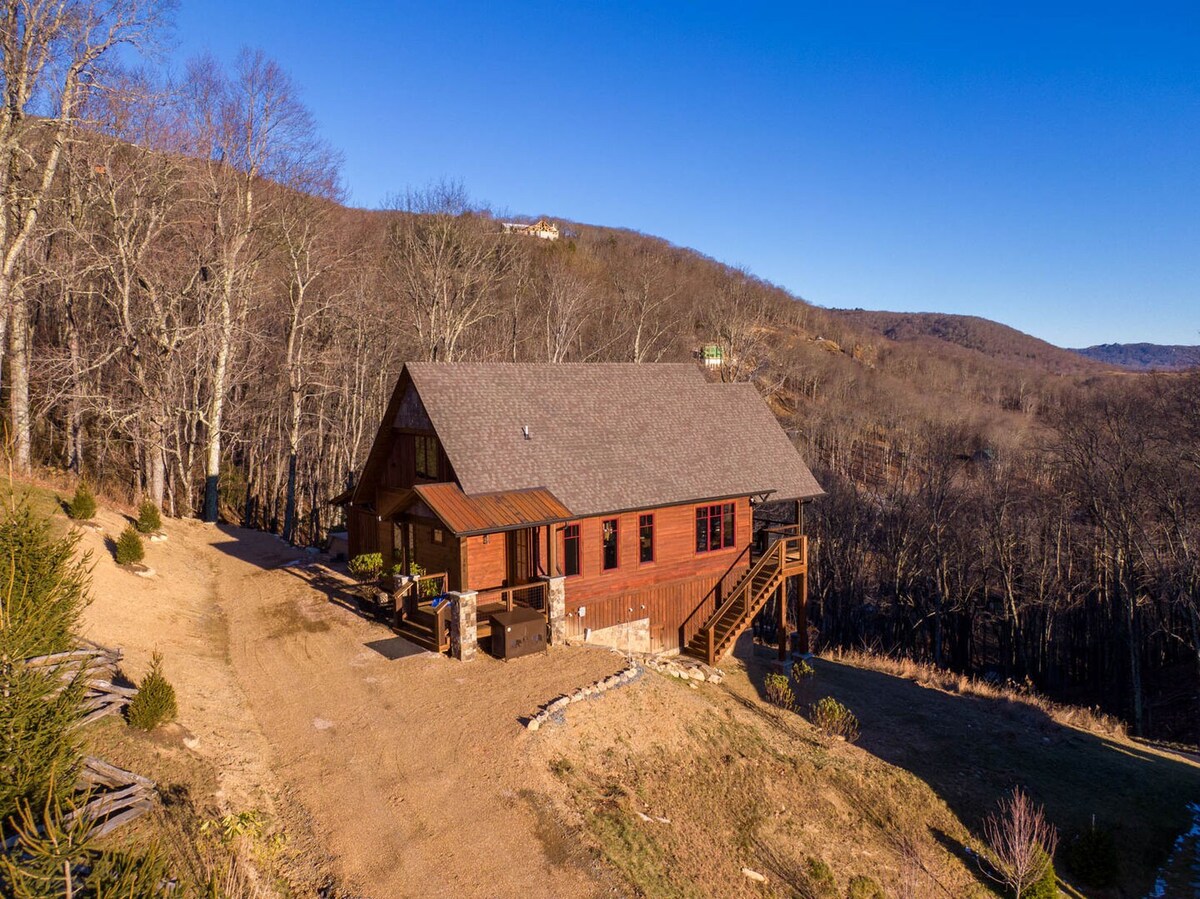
point(645, 538)
point(715, 527)
point(571, 561)
point(608, 539)
point(427, 456)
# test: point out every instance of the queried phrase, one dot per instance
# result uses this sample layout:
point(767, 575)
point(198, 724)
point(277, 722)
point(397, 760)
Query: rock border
point(554, 709)
point(685, 668)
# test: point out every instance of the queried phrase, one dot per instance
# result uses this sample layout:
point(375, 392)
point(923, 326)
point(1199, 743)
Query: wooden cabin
point(617, 500)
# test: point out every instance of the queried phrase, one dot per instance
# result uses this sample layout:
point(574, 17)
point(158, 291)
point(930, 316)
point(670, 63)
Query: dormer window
point(427, 456)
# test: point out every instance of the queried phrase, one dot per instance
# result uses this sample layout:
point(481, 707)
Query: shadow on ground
point(248, 545)
point(971, 750)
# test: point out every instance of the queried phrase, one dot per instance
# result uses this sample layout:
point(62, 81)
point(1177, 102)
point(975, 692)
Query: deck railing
point(420, 590)
point(530, 596)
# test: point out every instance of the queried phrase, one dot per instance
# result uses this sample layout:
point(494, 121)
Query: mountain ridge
point(1144, 356)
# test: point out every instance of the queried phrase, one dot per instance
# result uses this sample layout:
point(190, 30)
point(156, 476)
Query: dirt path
point(413, 767)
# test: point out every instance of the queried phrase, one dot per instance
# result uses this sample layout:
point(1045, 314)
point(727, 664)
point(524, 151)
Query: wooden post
point(802, 614)
point(552, 551)
point(802, 587)
point(781, 595)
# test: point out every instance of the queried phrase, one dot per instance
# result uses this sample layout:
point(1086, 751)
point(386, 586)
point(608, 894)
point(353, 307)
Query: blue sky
point(1038, 168)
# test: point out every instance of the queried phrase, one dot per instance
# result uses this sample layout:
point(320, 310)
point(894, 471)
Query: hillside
point(1004, 345)
point(1144, 356)
point(369, 763)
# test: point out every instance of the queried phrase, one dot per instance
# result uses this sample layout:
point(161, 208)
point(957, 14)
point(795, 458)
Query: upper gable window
point(427, 456)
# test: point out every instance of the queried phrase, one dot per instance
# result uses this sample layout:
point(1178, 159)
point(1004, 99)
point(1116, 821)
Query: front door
point(522, 556)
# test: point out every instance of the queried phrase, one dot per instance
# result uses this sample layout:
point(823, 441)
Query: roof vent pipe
point(525, 431)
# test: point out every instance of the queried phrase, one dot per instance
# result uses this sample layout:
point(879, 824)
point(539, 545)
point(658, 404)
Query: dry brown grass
point(927, 675)
point(679, 790)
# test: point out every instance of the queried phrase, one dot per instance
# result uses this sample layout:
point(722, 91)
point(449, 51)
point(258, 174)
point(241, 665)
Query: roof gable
point(607, 437)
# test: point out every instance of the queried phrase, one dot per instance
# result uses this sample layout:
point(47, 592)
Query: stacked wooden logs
point(97, 666)
point(114, 795)
point(111, 796)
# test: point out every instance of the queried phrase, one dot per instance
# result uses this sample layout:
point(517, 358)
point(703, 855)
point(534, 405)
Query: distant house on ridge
point(542, 228)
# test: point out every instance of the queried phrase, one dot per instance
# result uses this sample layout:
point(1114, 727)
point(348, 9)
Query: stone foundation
point(633, 636)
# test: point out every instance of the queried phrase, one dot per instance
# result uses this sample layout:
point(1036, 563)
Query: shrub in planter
point(129, 546)
point(82, 506)
point(149, 519)
point(154, 703)
point(779, 691)
point(367, 566)
point(1092, 857)
point(834, 719)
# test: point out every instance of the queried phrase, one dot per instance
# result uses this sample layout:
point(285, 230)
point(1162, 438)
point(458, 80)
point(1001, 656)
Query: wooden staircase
point(741, 593)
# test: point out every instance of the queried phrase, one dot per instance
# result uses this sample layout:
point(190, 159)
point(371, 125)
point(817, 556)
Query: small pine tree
point(129, 546)
point(154, 703)
point(1092, 857)
point(54, 857)
point(82, 506)
point(1046, 887)
point(149, 519)
point(44, 587)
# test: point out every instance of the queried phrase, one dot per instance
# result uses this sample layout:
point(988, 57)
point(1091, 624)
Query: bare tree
point(444, 264)
point(1021, 840)
point(565, 307)
point(250, 126)
point(51, 54)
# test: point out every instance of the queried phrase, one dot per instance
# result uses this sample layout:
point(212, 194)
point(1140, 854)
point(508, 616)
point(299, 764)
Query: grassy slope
point(744, 784)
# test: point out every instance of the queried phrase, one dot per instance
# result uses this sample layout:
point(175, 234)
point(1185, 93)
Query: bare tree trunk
point(216, 409)
point(18, 366)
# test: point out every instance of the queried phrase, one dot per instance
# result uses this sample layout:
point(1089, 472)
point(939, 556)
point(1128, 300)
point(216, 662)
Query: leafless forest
point(188, 312)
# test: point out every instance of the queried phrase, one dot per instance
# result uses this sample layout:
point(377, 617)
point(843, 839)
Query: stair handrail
point(773, 550)
point(715, 589)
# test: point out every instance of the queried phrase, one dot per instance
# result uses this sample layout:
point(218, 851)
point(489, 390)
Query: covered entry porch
point(493, 553)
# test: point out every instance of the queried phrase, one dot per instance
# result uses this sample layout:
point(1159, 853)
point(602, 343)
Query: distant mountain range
point(1144, 356)
point(979, 335)
point(1009, 345)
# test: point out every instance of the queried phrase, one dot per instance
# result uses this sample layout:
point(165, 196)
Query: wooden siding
point(666, 605)
point(400, 469)
point(434, 557)
point(675, 556)
point(487, 565)
point(362, 532)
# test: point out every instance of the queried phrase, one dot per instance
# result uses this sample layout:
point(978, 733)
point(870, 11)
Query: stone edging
point(684, 668)
point(554, 709)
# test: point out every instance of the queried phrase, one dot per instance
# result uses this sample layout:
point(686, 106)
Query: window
point(715, 527)
point(427, 456)
point(645, 538)
point(571, 560)
point(608, 538)
point(439, 536)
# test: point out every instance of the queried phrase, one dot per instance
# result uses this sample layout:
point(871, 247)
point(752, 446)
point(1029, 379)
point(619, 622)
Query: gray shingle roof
point(608, 437)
